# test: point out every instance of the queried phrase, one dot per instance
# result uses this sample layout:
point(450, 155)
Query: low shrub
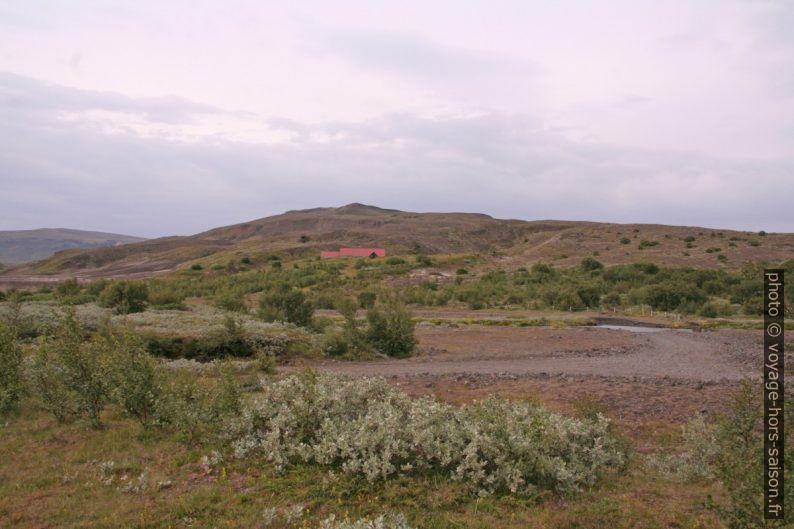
point(124, 297)
point(366, 299)
point(11, 378)
point(699, 454)
point(368, 428)
point(286, 305)
point(231, 300)
point(198, 409)
point(137, 383)
point(647, 244)
point(391, 330)
point(71, 375)
point(388, 521)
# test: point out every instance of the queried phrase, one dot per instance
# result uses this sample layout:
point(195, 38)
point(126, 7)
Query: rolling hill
point(32, 245)
point(511, 243)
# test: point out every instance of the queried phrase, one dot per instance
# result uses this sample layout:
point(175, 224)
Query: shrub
point(738, 464)
point(136, 382)
point(72, 375)
point(424, 260)
point(612, 299)
point(336, 344)
point(198, 410)
point(196, 266)
point(124, 297)
point(165, 296)
point(11, 385)
point(67, 291)
point(286, 305)
point(461, 272)
point(368, 428)
point(671, 296)
point(395, 261)
point(48, 387)
point(699, 454)
point(366, 300)
point(589, 264)
point(391, 329)
point(232, 300)
point(389, 521)
point(625, 240)
point(647, 244)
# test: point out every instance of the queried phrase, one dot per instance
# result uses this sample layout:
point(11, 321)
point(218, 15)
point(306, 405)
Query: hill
point(32, 245)
point(511, 243)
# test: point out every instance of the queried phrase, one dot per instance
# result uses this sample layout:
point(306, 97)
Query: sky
point(155, 118)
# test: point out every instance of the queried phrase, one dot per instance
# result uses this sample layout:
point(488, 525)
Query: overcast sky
point(158, 118)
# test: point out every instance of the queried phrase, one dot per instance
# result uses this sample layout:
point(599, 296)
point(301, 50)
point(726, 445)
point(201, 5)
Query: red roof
point(361, 252)
point(353, 252)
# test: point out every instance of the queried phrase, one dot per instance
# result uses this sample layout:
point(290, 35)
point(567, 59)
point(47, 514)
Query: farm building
point(354, 252)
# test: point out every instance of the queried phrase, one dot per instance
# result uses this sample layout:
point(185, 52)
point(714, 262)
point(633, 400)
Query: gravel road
point(679, 356)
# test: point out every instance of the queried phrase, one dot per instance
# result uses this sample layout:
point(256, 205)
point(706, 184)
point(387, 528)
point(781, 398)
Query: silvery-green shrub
point(368, 428)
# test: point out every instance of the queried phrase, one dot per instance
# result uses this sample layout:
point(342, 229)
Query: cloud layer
point(402, 114)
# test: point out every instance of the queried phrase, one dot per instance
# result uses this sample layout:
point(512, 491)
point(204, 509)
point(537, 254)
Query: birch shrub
point(368, 428)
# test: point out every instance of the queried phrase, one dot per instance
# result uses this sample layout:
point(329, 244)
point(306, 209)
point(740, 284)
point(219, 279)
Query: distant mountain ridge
point(19, 246)
point(507, 243)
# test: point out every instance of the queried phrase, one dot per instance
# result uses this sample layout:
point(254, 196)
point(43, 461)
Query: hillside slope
point(511, 243)
point(31, 245)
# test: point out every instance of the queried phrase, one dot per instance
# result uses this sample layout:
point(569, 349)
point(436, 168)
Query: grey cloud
point(23, 94)
point(416, 56)
point(59, 173)
point(470, 74)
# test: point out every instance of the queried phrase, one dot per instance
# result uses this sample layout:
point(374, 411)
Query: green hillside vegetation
point(303, 234)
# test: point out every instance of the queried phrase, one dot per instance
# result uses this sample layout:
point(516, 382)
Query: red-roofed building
point(354, 252)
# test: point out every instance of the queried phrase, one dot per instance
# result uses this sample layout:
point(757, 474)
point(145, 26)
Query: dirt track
point(668, 356)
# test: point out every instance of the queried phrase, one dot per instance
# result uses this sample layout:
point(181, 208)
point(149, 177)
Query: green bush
point(71, 374)
point(125, 297)
point(198, 409)
point(67, 291)
point(391, 329)
point(739, 462)
point(612, 299)
point(589, 264)
point(11, 385)
point(288, 306)
point(366, 300)
point(165, 296)
point(137, 384)
point(232, 300)
point(424, 260)
point(48, 386)
point(647, 244)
